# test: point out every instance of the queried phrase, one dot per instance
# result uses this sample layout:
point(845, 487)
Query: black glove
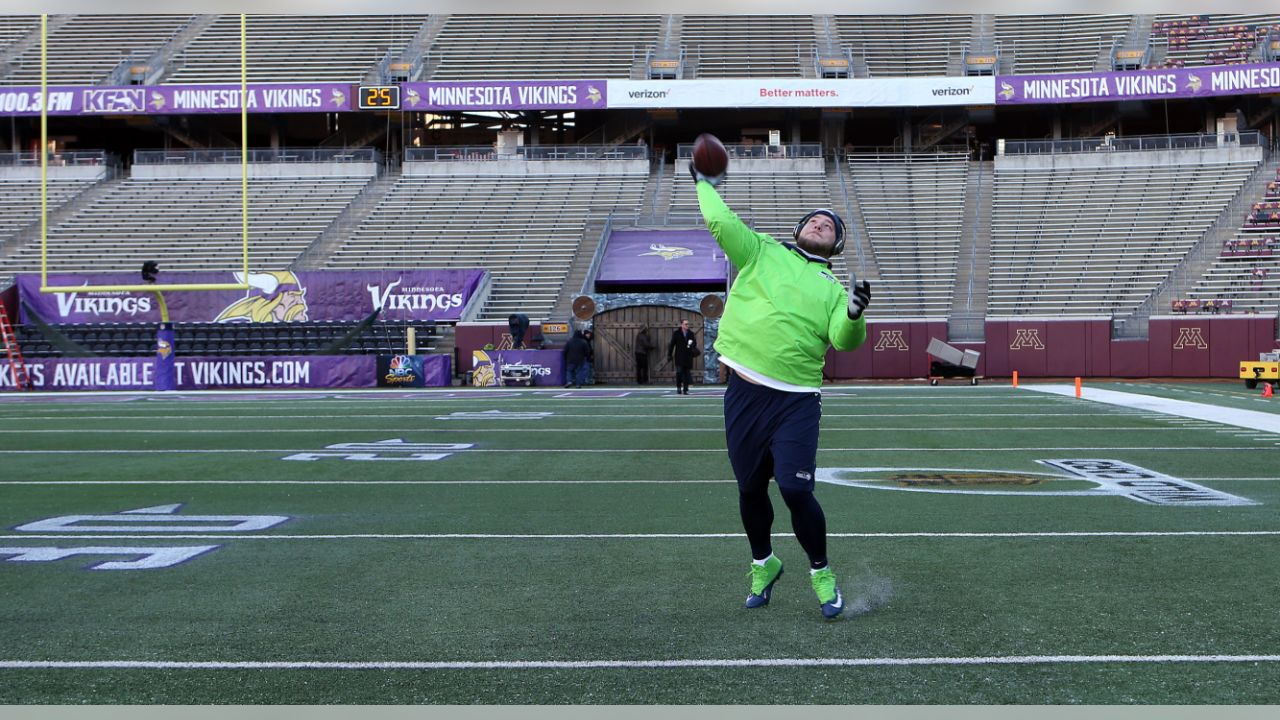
point(859, 297)
point(699, 176)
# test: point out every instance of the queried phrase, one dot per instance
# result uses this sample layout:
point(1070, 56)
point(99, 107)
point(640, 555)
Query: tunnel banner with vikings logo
point(677, 258)
point(274, 296)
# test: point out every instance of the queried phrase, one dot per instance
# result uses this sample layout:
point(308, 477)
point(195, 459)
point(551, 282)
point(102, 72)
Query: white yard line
point(513, 481)
point(1094, 449)
point(125, 535)
point(624, 664)
point(1251, 419)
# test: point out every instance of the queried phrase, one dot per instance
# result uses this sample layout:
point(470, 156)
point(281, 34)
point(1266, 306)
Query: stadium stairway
point(9, 56)
point(170, 55)
point(562, 311)
point(859, 255)
point(973, 265)
point(349, 219)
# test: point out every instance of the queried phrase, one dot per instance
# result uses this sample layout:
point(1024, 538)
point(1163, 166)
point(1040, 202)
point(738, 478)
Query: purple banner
point(1138, 84)
point(201, 373)
point(491, 368)
point(662, 257)
point(278, 296)
point(526, 95)
point(179, 99)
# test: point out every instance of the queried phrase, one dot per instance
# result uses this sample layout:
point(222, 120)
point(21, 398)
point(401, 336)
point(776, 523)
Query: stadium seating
point(913, 207)
point(20, 202)
point(903, 45)
point(485, 47)
point(1095, 234)
point(295, 48)
point(748, 45)
point(1213, 39)
point(85, 49)
point(193, 224)
point(1031, 44)
point(523, 225)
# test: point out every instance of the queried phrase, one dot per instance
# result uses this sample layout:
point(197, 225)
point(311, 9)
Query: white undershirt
point(757, 378)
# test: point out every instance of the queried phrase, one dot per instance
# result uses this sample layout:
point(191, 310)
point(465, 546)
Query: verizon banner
point(797, 92)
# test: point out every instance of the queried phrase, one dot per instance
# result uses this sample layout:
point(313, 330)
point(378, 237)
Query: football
point(709, 156)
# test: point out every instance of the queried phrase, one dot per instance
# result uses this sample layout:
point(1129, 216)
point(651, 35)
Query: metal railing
point(1131, 144)
point(485, 153)
point(852, 225)
point(739, 151)
point(72, 157)
point(256, 155)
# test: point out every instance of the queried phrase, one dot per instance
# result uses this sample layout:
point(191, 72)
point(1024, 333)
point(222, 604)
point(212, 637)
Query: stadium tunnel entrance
point(615, 337)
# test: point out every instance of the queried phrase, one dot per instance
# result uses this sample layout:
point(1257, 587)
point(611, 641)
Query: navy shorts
point(771, 433)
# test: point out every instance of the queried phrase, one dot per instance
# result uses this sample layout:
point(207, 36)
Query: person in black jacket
point(576, 353)
point(682, 349)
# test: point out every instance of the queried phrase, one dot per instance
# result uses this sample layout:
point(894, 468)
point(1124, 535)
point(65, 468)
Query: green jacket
point(784, 310)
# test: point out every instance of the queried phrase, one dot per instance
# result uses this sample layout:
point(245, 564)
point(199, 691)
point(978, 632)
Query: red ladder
point(21, 380)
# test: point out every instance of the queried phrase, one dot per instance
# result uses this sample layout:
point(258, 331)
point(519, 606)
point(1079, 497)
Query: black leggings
point(807, 520)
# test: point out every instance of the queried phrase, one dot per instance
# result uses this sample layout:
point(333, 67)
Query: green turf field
point(582, 548)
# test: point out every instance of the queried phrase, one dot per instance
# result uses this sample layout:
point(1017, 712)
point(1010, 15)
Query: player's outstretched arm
point(739, 242)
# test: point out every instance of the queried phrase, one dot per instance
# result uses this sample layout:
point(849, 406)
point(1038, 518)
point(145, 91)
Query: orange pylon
point(1267, 391)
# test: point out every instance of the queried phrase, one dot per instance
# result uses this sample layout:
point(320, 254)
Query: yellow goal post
point(45, 287)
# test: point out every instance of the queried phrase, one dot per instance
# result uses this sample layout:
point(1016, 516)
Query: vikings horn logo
point(1006, 90)
point(275, 296)
point(668, 252)
point(1194, 83)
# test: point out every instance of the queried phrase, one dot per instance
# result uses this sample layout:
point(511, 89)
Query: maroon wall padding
point(1208, 346)
point(1028, 349)
point(996, 358)
point(1211, 346)
point(1159, 359)
point(1099, 351)
point(1066, 348)
point(1188, 349)
point(1231, 344)
point(1262, 337)
point(1130, 358)
point(893, 349)
point(474, 336)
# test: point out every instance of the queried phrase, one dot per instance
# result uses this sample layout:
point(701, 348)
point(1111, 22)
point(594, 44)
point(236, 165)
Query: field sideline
point(996, 545)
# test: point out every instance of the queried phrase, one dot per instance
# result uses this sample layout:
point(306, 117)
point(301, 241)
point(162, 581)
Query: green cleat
point(824, 584)
point(762, 579)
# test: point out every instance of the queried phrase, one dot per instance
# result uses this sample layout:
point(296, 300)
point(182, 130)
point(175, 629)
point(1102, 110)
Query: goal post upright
point(45, 287)
point(164, 362)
